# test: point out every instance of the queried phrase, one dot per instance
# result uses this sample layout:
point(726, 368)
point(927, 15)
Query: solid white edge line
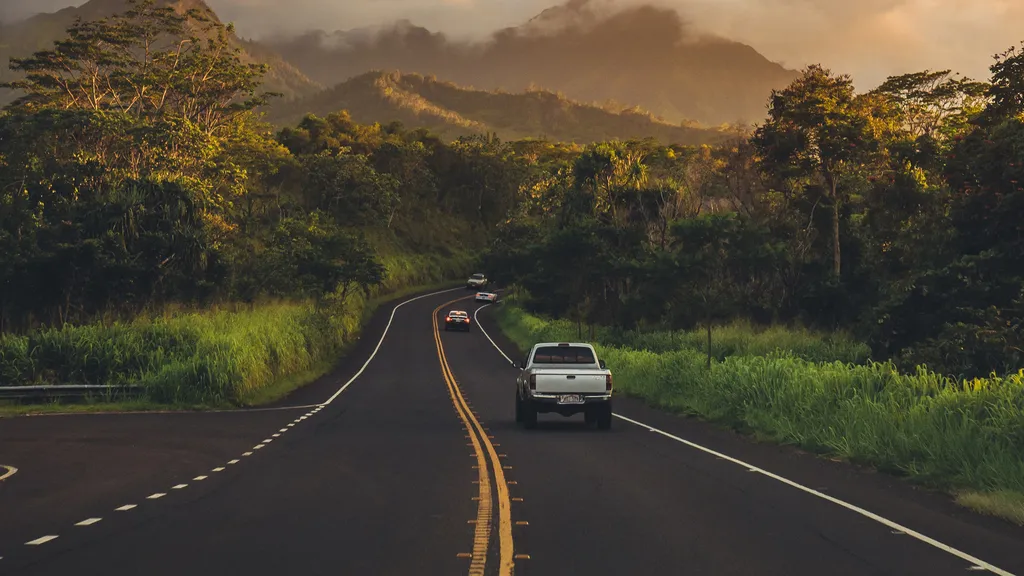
point(11, 471)
point(881, 520)
point(871, 515)
point(488, 336)
point(381, 341)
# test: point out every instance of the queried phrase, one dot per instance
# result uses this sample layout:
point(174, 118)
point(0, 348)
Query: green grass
point(1002, 504)
point(954, 435)
point(213, 358)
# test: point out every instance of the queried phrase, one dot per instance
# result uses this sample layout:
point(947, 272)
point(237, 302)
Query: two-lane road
point(411, 464)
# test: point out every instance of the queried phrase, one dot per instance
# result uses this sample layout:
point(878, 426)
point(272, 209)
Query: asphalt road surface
point(407, 461)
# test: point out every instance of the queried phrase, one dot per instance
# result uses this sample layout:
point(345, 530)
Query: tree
point(935, 104)
point(817, 135)
point(347, 187)
point(147, 62)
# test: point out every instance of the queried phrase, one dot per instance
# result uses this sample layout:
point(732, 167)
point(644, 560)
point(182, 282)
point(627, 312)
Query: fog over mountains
point(866, 38)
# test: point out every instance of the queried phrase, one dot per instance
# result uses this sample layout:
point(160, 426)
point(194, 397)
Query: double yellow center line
point(484, 451)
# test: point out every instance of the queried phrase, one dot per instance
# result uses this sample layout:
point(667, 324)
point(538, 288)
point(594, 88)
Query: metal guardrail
point(68, 392)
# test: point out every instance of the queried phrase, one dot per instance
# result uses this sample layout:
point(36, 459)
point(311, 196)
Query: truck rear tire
point(529, 414)
point(604, 416)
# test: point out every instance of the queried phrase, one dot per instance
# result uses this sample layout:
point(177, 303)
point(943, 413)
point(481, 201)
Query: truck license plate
point(570, 399)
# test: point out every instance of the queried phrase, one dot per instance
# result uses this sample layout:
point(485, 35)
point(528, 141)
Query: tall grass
point(208, 357)
point(948, 433)
point(737, 339)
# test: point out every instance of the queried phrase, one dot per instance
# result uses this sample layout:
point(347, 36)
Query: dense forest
point(895, 214)
point(145, 178)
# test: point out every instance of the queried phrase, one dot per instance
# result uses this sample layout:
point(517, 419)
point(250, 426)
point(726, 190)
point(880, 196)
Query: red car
point(456, 320)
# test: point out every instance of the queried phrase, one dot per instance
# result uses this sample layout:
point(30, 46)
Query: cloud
point(869, 39)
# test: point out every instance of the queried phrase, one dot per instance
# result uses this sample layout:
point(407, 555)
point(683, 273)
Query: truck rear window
point(564, 355)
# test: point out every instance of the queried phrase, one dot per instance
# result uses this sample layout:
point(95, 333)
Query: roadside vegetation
point(964, 436)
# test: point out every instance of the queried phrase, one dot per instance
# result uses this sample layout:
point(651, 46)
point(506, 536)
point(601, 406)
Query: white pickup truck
point(566, 378)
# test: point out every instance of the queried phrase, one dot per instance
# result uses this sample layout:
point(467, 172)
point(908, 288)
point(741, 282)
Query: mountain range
point(577, 71)
point(452, 111)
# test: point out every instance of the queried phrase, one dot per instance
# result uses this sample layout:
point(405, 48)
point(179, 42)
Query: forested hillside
point(452, 111)
point(21, 39)
point(141, 193)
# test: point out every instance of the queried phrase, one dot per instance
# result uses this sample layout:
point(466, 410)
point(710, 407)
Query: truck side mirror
point(602, 364)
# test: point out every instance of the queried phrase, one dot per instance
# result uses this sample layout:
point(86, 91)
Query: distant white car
point(486, 297)
point(476, 282)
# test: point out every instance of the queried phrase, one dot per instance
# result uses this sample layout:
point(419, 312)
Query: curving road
point(407, 461)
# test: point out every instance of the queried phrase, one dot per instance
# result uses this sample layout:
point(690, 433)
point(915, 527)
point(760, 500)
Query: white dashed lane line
point(9, 471)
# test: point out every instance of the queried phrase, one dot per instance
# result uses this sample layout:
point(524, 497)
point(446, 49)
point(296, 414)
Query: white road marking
point(267, 441)
point(42, 540)
point(977, 564)
point(380, 342)
point(246, 453)
point(881, 520)
point(218, 469)
point(278, 435)
point(198, 478)
point(126, 507)
point(172, 412)
point(88, 522)
point(8, 472)
point(235, 461)
point(179, 486)
point(290, 425)
point(258, 446)
point(156, 496)
point(283, 430)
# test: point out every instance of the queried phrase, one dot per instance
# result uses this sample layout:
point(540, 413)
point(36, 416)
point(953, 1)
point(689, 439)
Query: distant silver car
point(476, 281)
point(486, 297)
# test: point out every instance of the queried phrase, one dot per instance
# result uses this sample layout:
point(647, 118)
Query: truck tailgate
point(570, 381)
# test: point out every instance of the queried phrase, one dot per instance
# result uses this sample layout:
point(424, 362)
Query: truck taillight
point(608, 382)
point(533, 381)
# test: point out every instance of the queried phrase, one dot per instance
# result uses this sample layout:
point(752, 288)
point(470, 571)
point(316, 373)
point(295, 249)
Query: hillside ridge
point(418, 100)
